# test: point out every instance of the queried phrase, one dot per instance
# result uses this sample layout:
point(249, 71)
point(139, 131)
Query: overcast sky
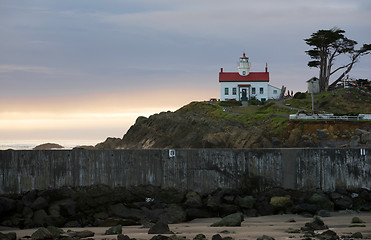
point(85, 69)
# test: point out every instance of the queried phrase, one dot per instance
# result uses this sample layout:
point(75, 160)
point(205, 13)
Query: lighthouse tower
point(244, 67)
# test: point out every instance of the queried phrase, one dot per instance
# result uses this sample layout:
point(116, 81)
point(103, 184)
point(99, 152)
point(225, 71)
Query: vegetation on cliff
point(230, 125)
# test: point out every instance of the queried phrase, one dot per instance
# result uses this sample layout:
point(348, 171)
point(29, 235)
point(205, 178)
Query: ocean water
point(30, 144)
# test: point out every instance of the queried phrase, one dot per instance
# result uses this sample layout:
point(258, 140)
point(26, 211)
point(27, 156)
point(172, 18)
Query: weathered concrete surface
point(202, 170)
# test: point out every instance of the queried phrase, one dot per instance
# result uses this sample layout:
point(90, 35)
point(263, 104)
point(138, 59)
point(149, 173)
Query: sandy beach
point(252, 227)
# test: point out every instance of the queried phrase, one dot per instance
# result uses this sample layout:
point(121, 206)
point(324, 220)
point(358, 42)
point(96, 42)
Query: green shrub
point(300, 95)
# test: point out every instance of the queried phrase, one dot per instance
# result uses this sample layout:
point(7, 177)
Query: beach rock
point(160, 228)
point(227, 209)
point(264, 207)
point(39, 203)
point(40, 217)
point(303, 208)
point(114, 230)
point(85, 234)
point(281, 203)
point(8, 236)
point(246, 202)
point(41, 234)
point(265, 237)
point(341, 202)
point(200, 237)
point(193, 213)
point(316, 224)
point(6, 205)
point(160, 237)
point(56, 232)
point(193, 200)
point(216, 237)
point(120, 210)
point(357, 220)
point(322, 200)
point(122, 237)
point(328, 235)
point(29, 197)
point(323, 213)
point(177, 213)
point(233, 220)
point(357, 235)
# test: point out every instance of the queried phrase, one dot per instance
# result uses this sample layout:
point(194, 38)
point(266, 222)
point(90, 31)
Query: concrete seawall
point(202, 170)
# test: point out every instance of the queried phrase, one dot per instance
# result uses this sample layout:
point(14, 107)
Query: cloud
point(26, 68)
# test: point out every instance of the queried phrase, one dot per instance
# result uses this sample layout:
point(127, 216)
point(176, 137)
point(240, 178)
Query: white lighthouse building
point(244, 85)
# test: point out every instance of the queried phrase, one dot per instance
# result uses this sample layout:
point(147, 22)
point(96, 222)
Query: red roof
point(251, 77)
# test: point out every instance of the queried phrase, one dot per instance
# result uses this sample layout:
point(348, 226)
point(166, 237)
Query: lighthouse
point(245, 85)
point(244, 67)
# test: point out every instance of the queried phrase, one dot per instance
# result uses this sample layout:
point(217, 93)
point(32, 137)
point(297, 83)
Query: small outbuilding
point(313, 85)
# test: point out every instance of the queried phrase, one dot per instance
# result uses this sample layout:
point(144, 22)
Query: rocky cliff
point(214, 125)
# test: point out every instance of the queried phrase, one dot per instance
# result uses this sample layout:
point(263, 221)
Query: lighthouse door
point(244, 95)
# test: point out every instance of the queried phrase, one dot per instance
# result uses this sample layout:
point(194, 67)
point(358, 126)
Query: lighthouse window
point(226, 91)
point(234, 91)
point(261, 90)
point(253, 90)
point(274, 91)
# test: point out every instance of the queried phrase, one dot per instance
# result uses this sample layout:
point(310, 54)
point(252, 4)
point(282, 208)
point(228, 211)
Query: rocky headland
point(229, 125)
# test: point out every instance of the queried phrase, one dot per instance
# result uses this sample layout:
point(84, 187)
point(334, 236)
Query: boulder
point(29, 198)
point(357, 235)
point(316, 224)
point(160, 237)
point(328, 235)
point(56, 232)
point(323, 213)
point(6, 205)
point(357, 220)
point(227, 209)
point(40, 217)
point(193, 213)
point(176, 213)
point(233, 220)
point(264, 207)
point(354, 141)
point(193, 200)
point(160, 228)
point(322, 200)
point(114, 230)
point(343, 203)
point(200, 237)
point(265, 237)
point(322, 134)
point(120, 210)
point(123, 237)
point(281, 203)
point(39, 203)
point(85, 234)
point(303, 208)
point(246, 202)
point(366, 138)
point(8, 236)
point(41, 234)
point(216, 237)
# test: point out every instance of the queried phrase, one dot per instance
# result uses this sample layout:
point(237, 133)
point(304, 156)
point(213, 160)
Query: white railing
point(329, 117)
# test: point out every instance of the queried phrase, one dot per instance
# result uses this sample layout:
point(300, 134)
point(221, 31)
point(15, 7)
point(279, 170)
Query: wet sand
point(251, 228)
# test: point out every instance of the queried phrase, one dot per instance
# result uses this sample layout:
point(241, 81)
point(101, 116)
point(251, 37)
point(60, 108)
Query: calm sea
point(29, 144)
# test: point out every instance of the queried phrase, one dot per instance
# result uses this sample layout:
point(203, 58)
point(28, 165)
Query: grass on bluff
point(340, 102)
